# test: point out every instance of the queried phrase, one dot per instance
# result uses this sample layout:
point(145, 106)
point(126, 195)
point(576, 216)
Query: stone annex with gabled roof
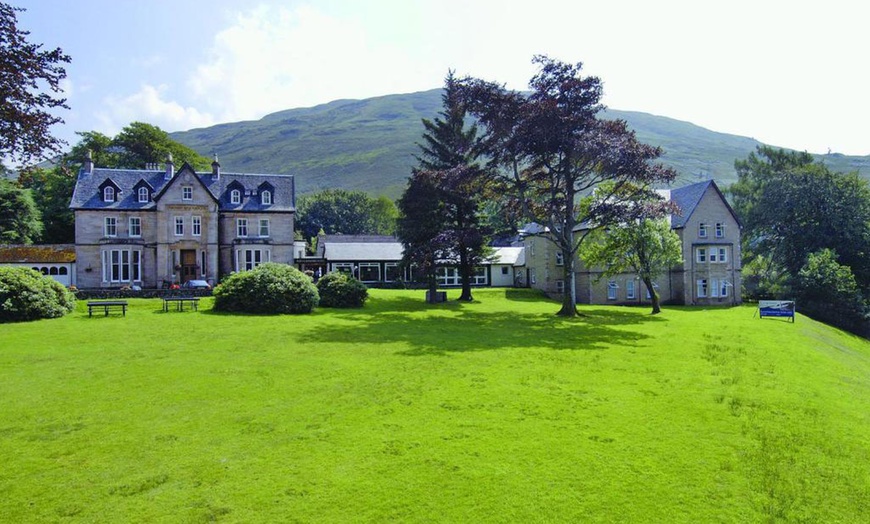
point(156, 227)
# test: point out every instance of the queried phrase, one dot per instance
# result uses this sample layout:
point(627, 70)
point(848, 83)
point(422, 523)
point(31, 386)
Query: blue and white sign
point(776, 308)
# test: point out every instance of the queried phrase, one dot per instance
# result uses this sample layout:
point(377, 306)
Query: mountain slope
point(370, 144)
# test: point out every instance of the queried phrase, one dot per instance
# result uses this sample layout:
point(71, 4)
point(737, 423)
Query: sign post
point(776, 308)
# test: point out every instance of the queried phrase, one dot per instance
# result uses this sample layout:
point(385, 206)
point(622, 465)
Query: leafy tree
point(828, 290)
point(140, 143)
point(448, 156)
point(335, 211)
point(549, 150)
point(51, 190)
point(102, 150)
point(792, 206)
point(646, 247)
point(26, 73)
point(20, 220)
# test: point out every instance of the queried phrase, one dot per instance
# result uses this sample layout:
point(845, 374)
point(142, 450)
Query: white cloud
point(149, 105)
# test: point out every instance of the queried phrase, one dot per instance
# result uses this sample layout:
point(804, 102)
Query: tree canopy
point(335, 211)
point(30, 81)
point(549, 151)
point(136, 145)
point(20, 219)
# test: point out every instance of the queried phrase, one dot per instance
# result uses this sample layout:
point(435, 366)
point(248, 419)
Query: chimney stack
point(170, 167)
point(215, 169)
point(88, 165)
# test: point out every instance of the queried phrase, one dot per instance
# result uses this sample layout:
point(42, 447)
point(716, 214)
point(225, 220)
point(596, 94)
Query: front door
point(188, 265)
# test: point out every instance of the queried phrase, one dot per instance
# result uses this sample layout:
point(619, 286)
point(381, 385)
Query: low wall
point(91, 294)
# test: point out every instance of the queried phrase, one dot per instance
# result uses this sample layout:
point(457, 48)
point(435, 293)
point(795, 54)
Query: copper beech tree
point(563, 165)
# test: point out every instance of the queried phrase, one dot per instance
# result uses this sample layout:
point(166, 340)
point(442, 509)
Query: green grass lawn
point(495, 411)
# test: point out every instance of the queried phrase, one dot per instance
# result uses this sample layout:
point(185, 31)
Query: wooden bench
point(106, 305)
point(179, 303)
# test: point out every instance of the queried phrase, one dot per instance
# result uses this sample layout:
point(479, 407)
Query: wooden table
point(179, 303)
point(106, 305)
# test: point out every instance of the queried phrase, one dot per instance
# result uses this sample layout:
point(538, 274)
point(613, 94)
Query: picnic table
point(106, 305)
point(179, 303)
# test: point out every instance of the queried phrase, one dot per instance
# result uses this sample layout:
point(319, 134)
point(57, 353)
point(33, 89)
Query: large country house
point(156, 227)
point(708, 275)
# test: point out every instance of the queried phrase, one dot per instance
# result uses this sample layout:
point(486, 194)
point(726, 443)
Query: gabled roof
point(687, 199)
point(513, 256)
point(47, 253)
point(359, 248)
point(87, 195)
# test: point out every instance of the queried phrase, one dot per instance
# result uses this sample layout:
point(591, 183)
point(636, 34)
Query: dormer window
point(143, 195)
point(235, 196)
point(187, 193)
point(266, 198)
point(108, 194)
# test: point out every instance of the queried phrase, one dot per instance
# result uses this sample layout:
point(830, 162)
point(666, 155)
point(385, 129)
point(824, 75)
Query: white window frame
point(179, 226)
point(143, 195)
point(187, 193)
point(723, 289)
point(723, 255)
point(108, 194)
point(235, 196)
point(249, 258)
point(629, 289)
point(242, 227)
point(266, 198)
point(343, 267)
point(264, 221)
point(612, 288)
point(479, 277)
point(702, 230)
point(196, 225)
point(391, 266)
point(560, 259)
point(701, 255)
point(134, 227)
point(122, 265)
point(714, 255)
point(110, 227)
point(701, 288)
point(720, 230)
point(369, 265)
point(448, 276)
point(714, 288)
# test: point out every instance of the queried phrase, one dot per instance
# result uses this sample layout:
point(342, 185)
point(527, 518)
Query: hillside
point(370, 144)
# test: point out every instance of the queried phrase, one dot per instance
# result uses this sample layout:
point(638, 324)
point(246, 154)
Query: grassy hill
point(494, 411)
point(370, 144)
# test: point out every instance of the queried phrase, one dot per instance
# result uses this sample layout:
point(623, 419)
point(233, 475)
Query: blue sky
point(791, 74)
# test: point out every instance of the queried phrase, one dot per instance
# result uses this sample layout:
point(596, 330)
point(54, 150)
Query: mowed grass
point(494, 411)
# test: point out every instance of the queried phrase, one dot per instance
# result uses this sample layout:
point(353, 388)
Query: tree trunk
point(569, 291)
point(464, 275)
point(433, 288)
point(656, 309)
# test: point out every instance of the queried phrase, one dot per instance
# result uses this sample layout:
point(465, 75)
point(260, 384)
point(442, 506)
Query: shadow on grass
point(455, 327)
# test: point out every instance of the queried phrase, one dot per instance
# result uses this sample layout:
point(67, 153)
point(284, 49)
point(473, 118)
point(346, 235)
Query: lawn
point(495, 411)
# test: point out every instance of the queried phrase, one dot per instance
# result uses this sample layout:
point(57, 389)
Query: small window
point(143, 195)
point(714, 255)
point(720, 230)
point(504, 270)
point(266, 198)
point(110, 227)
point(196, 225)
point(242, 227)
point(714, 287)
point(560, 259)
point(560, 286)
point(179, 226)
point(235, 196)
point(187, 193)
point(612, 287)
point(702, 288)
point(135, 227)
point(108, 194)
point(723, 291)
point(264, 227)
point(702, 230)
point(722, 255)
point(629, 289)
point(702, 255)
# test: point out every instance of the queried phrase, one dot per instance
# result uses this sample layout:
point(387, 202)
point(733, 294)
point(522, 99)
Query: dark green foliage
point(335, 211)
point(828, 291)
point(338, 289)
point(267, 289)
point(136, 145)
point(52, 190)
point(20, 219)
point(26, 294)
point(27, 108)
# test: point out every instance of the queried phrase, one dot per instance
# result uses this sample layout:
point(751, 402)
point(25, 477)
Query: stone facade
point(154, 228)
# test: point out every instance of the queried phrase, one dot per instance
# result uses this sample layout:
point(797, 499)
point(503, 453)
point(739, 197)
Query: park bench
point(179, 303)
point(107, 305)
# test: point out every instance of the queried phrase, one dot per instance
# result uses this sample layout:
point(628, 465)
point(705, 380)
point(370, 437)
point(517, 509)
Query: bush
point(268, 288)
point(26, 294)
point(340, 290)
point(828, 291)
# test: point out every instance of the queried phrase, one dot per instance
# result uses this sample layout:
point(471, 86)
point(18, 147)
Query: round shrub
point(340, 290)
point(26, 294)
point(268, 288)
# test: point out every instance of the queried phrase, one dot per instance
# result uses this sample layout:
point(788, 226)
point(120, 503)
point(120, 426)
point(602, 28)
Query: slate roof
point(88, 193)
point(360, 248)
point(514, 256)
point(687, 199)
point(47, 253)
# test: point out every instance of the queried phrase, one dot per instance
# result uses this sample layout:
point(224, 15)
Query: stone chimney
point(170, 167)
point(88, 165)
point(215, 169)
